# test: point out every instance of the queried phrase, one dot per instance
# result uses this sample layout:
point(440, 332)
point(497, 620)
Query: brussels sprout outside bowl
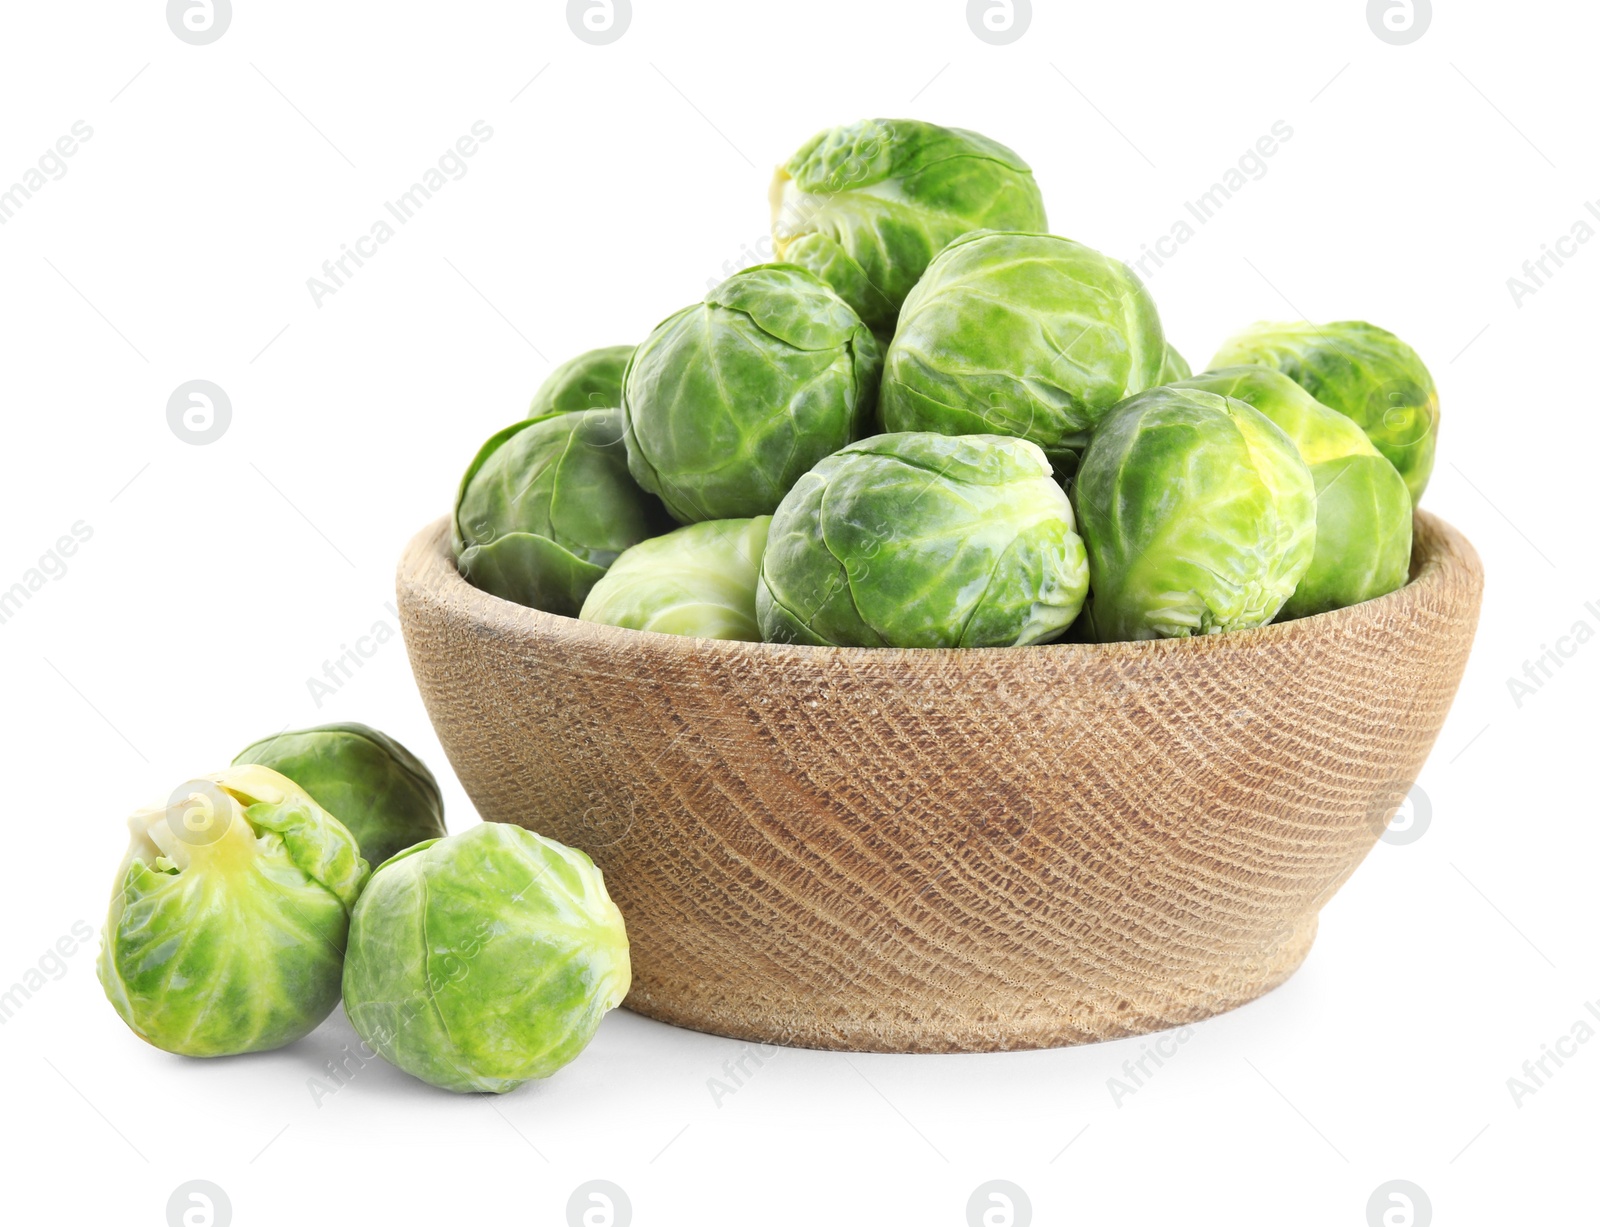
point(950, 850)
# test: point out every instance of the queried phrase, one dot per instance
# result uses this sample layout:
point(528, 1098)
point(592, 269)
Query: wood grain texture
point(941, 851)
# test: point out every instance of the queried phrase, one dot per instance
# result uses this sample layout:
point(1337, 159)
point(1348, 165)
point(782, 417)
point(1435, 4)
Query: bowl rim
point(1443, 560)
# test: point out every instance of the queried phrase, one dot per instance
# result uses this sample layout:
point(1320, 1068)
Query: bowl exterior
point(937, 851)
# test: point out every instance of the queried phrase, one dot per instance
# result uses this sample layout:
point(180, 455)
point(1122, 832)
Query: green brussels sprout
point(1020, 334)
point(924, 541)
point(1371, 376)
point(1199, 515)
point(699, 580)
point(1174, 368)
point(729, 401)
point(867, 206)
point(592, 380)
point(227, 930)
point(485, 959)
point(1363, 545)
point(547, 506)
point(371, 783)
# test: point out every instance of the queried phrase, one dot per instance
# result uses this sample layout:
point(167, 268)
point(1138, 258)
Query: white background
point(219, 578)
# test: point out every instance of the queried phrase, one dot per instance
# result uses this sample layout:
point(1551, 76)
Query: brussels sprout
point(1198, 513)
point(699, 580)
point(592, 380)
point(1363, 507)
point(1371, 376)
point(485, 959)
point(1020, 334)
point(729, 401)
point(1174, 368)
point(371, 783)
point(227, 930)
point(924, 541)
point(867, 206)
point(547, 506)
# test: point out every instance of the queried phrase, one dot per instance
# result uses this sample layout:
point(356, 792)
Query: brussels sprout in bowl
point(924, 541)
point(904, 849)
point(1363, 541)
point(592, 380)
point(699, 580)
point(1364, 372)
point(1021, 334)
point(546, 507)
point(1199, 516)
point(729, 401)
point(868, 205)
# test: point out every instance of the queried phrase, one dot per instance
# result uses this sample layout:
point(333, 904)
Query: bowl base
point(1075, 1014)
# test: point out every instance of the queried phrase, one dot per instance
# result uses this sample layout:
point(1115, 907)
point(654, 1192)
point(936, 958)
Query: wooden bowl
point(950, 851)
